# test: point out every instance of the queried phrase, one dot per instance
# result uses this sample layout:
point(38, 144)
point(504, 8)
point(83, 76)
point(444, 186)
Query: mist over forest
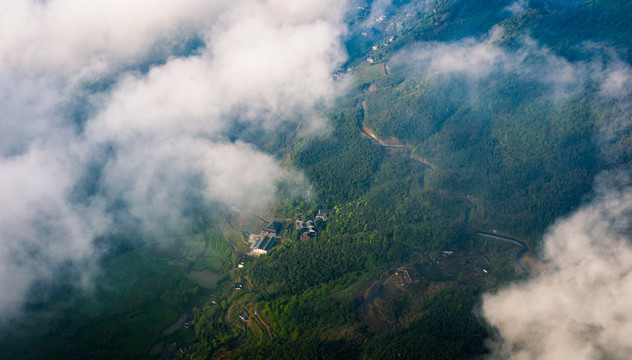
point(148, 148)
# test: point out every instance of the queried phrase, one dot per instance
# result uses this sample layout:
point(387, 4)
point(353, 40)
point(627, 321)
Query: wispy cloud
point(147, 142)
point(517, 6)
point(481, 59)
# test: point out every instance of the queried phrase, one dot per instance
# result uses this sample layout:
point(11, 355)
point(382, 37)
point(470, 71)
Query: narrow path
point(407, 149)
point(176, 325)
point(240, 338)
point(245, 333)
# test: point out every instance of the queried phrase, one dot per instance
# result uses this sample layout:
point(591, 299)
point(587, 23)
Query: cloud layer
point(86, 135)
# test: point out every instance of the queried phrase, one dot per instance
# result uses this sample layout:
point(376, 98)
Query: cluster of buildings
point(269, 238)
point(270, 235)
point(307, 228)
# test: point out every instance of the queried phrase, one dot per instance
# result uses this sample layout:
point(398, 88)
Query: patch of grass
point(139, 318)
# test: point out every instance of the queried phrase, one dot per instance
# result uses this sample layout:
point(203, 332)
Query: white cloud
point(27, 106)
point(517, 6)
point(378, 8)
point(160, 138)
point(78, 37)
point(257, 66)
point(618, 81)
point(158, 179)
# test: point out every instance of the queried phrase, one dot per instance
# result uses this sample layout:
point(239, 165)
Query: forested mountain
point(515, 113)
point(460, 118)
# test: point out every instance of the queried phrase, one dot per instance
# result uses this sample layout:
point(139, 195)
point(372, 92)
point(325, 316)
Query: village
point(267, 234)
point(271, 233)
